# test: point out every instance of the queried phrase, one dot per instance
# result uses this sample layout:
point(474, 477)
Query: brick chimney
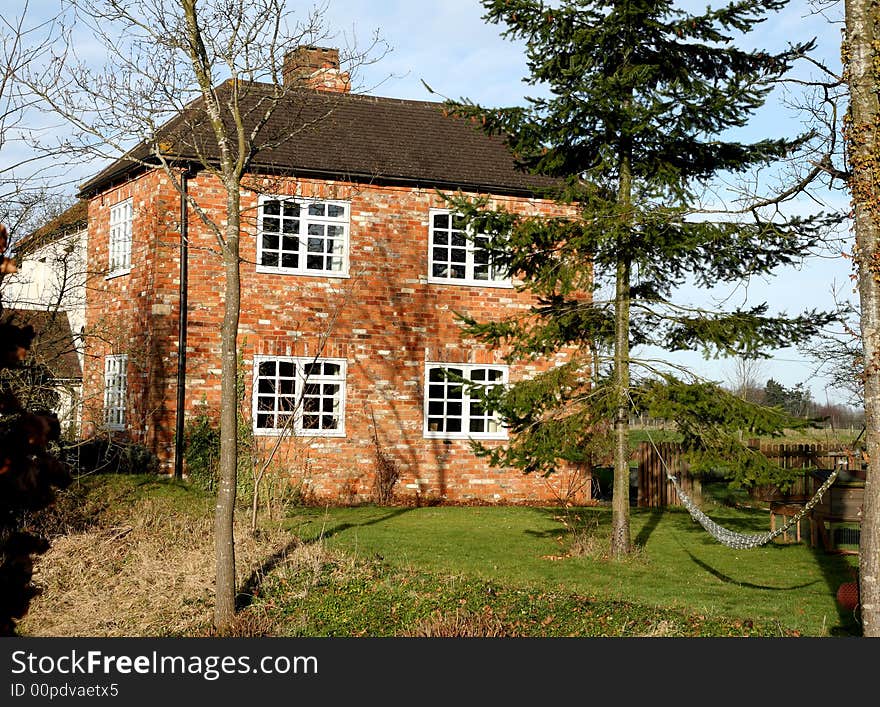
point(317, 68)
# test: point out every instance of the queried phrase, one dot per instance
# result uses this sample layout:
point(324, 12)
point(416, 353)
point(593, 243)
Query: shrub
point(107, 456)
point(201, 452)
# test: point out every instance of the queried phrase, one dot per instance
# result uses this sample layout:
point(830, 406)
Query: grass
point(133, 556)
point(679, 566)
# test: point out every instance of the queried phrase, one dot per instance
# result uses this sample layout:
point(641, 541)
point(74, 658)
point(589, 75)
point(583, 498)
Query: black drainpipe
point(181, 337)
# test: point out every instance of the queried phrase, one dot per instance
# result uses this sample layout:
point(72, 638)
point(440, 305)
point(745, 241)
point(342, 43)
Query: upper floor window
point(459, 257)
point(120, 238)
point(303, 237)
point(115, 387)
point(302, 396)
point(452, 409)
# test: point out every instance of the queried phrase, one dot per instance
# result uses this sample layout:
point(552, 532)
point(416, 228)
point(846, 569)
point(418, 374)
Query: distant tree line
point(798, 400)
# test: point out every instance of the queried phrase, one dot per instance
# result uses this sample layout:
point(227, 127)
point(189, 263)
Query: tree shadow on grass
point(650, 526)
point(252, 584)
point(342, 527)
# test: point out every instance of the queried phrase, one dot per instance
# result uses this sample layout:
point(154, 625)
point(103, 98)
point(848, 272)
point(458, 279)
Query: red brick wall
point(385, 320)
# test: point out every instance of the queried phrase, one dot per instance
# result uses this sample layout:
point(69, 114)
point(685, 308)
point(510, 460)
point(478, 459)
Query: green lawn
point(679, 566)
point(435, 571)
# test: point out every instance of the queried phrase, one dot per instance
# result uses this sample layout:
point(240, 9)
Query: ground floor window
point(301, 396)
point(115, 387)
point(453, 409)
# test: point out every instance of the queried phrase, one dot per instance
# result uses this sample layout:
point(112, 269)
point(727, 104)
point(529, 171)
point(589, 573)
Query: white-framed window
point(301, 237)
point(451, 410)
point(115, 387)
point(121, 217)
point(455, 256)
point(300, 396)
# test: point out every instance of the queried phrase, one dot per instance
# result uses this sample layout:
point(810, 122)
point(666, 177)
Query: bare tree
point(200, 82)
point(745, 379)
point(862, 59)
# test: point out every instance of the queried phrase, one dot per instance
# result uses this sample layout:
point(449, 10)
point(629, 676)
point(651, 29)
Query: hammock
point(746, 541)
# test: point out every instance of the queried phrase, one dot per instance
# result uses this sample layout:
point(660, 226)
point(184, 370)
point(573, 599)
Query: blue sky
point(448, 46)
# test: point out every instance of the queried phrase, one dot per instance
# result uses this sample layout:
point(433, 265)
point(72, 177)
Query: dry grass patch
point(150, 574)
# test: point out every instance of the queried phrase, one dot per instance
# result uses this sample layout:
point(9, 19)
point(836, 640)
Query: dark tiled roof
point(69, 221)
point(54, 344)
point(349, 136)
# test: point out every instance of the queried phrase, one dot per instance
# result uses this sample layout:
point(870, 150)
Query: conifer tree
point(641, 115)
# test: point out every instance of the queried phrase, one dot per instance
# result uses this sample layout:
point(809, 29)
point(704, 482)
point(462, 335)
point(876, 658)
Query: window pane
point(436, 392)
point(267, 368)
point(270, 241)
point(272, 208)
point(289, 260)
point(478, 425)
point(441, 220)
point(291, 208)
point(291, 225)
point(266, 385)
point(317, 209)
point(335, 211)
point(286, 369)
point(271, 224)
point(269, 260)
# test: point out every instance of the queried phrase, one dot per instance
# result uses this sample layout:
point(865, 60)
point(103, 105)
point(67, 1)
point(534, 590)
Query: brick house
point(353, 270)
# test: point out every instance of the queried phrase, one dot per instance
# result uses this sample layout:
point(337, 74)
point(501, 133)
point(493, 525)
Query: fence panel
point(655, 491)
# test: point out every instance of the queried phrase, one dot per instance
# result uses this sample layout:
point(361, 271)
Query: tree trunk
point(224, 542)
point(620, 531)
point(620, 535)
point(862, 20)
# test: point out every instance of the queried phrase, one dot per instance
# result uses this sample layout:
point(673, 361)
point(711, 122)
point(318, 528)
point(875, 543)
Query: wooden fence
point(800, 456)
point(655, 490)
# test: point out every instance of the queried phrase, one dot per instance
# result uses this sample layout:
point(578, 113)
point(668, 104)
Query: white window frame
point(467, 370)
point(469, 249)
point(119, 241)
point(298, 396)
point(115, 391)
point(302, 253)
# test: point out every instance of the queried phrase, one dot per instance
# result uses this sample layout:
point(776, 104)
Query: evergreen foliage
point(644, 102)
point(796, 400)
